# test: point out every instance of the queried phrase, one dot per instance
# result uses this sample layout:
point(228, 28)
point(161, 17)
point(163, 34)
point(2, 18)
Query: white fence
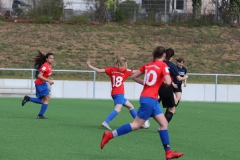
point(102, 90)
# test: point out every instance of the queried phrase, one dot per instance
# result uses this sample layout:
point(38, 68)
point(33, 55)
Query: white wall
point(84, 89)
point(7, 4)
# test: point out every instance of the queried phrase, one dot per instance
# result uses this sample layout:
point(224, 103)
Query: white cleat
point(104, 124)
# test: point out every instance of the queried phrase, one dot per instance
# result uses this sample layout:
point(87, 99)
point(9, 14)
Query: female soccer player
point(42, 92)
point(118, 75)
point(178, 84)
point(155, 73)
point(166, 95)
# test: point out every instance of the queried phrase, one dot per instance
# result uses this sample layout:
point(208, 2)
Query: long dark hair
point(41, 58)
point(158, 52)
point(169, 53)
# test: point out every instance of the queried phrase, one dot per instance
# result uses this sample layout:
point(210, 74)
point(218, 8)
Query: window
point(178, 5)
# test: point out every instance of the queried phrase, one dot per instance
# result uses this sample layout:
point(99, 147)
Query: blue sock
point(124, 129)
point(112, 115)
point(133, 113)
point(35, 100)
point(43, 109)
point(165, 139)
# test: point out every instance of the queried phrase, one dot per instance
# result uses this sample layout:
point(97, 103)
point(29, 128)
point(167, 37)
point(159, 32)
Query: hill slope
point(205, 50)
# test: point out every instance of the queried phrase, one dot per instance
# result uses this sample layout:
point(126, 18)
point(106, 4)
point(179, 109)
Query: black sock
point(168, 115)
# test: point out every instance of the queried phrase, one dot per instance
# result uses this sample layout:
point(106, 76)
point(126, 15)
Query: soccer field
point(203, 131)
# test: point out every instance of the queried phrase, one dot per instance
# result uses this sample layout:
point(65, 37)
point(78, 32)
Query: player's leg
point(32, 99)
point(124, 129)
point(168, 102)
point(143, 114)
point(164, 136)
point(44, 94)
point(119, 100)
point(178, 97)
point(132, 111)
point(46, 100)
point(111, 116)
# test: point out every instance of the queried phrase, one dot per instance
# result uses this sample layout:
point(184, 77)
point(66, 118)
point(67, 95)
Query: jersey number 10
point(151, 73)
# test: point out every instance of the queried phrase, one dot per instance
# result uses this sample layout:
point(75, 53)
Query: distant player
point(166, 94)
point(118, 74)
point(42, 91)
point(155, 73)
point(177, 85)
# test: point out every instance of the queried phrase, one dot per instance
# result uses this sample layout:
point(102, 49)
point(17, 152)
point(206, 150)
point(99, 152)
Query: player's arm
point(136, 77)
point(174, 85)
point(134, 71)
point(185, 81)
point(166, 74)
point(179, 78)
point(94, 68)
point(40, 75)
point(167, 80)
point(174, 72)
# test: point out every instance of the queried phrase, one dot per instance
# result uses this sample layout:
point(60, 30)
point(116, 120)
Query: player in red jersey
point(42, 91)
point(155, 73)
point(118, 75)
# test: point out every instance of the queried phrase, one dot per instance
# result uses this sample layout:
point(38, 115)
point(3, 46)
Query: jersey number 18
point(117, 81)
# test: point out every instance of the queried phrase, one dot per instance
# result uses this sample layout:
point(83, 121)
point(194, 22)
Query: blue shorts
point(149, 108)
point(42, 90)
point(119, 99)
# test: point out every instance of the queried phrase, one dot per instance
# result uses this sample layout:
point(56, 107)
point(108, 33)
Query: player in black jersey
point(166, 94)
point(177, 85)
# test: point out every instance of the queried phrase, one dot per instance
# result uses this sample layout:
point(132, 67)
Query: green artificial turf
point(203, 131)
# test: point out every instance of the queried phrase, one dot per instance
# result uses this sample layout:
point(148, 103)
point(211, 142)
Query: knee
point(164, 126)
point(135, 126)
point(46, 99)
point(118, 109)
point(130, 107)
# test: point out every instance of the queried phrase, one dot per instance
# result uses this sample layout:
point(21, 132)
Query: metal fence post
point(216, 11)
point(165, 11)
point(216, 82)
point(32, 82)
point(94, 81)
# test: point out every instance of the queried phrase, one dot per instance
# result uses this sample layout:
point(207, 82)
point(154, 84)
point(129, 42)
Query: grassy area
point(72, 131)
point(211, 49)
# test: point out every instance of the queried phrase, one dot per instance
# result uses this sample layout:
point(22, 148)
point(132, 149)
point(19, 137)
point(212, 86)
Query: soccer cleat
point(172, 155)
point(105, 138)
point(104, 124)
point(41, 117)
point(25, 100)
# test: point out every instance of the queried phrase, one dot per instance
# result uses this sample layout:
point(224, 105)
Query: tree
point(229, 10)
point(52, 9)
point(196, 4)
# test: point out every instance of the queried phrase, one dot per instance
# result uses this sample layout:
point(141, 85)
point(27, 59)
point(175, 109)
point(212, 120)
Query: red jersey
point(46, 69)
point(153, 78)
point(117, 79)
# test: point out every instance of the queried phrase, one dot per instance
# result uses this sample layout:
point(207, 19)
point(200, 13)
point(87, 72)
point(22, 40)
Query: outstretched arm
point(94, 68)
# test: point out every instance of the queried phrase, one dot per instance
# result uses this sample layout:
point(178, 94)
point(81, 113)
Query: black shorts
point(166, 96)
point(179, 89)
